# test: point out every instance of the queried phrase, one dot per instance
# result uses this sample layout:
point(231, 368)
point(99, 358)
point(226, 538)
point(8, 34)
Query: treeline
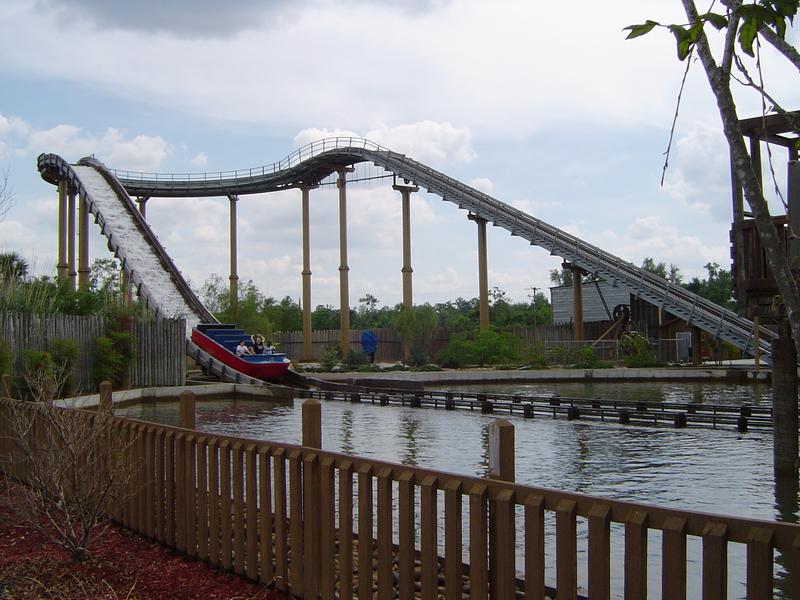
point(257, 312)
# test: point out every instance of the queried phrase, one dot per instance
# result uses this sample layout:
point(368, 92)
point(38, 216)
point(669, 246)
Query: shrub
point(106, 362)
point(638, 352)
point(329, 358)
point(486, 347)
point(587, 358)
point(65, 356)
point(355, 359)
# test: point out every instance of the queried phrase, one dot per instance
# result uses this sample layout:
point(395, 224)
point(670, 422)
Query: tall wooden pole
point(344, 285)
point(405, 191)
point(83, 243)
point(234, 277)
point(483, 272)
point(307, 352)
point(61, 264)
point(577, 304)
point(72, 274)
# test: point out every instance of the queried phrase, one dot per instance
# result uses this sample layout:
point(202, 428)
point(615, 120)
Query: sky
point(544, 106)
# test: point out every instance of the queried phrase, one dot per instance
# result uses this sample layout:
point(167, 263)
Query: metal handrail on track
point(719, 321)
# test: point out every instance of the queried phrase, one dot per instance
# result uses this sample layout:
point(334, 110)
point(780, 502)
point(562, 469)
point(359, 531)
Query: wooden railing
point(329, 525)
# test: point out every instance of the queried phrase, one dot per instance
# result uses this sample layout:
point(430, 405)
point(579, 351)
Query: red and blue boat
point(220, 341)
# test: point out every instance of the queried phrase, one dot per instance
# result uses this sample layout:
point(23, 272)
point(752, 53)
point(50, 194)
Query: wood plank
point(534, 547)
point(296, 522)
point(673, 561)
point(760, 562)
point(169, 488)
point(311, 525)
point(159, 485)
point(406, 529)
point(202, 498)
point(366, 542)
point(636, 555)
point(238, 508)
point(505, 535)
point(226, 550)
point(180, 491)
point(265, 570)
point(214, 556)
point(453, 539)
point(251, 511)
point(190, 497)
point(327, 528)
point(281, 541)
point(384, 534)
point(715, 561)
point(428, 537)
point(346, 530)
point(600, 552)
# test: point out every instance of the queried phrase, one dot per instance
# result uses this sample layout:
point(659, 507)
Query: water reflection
point(346, 421)
point(409, 431)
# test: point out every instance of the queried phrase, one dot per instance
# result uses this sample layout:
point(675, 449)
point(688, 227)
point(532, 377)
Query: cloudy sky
point(544, 107)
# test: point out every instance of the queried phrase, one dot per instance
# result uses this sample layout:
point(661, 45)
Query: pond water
point(698, 469)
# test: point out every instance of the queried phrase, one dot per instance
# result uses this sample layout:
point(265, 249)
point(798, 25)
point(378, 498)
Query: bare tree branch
point(6, 193)
point(781, 45)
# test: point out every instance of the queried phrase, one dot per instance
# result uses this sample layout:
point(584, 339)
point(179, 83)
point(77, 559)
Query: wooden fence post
point(7, 385)
point(501, 513)
point(106, 398)
point(188, 418)
point(312, 423)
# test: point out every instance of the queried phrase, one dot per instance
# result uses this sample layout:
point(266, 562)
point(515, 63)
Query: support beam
point(83, 243)
point(142, 202)
point(307, 352)
point(72, 274)
point(61, 264)
point(483, 272)
point(577, 304)
point(234, 277)
point(697, 341)
point(344, 284)
point(405, 191)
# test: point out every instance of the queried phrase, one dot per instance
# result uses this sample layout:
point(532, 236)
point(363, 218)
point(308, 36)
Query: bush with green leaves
point(64, 355)
point(355, 359)
point(586, 358)
point(534, 356)
point(329, 357)
point(106, 362)
point(484, 347)
point(637, 352)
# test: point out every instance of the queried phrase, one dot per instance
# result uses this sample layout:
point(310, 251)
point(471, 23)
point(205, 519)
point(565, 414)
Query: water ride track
point(313, 162)
point(147, 265)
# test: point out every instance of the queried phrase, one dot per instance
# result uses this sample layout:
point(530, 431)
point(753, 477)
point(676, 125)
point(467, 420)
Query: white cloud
point(532, 207)
point(143, 152)
point(483, 184)
point(200, 160)
point(425, 141)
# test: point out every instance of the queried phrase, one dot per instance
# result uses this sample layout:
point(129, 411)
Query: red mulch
point(123, 566)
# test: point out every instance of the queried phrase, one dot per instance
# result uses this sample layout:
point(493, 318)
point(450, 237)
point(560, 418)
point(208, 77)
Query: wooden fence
point(390, 346)
point(159, 344)
point(329, 525)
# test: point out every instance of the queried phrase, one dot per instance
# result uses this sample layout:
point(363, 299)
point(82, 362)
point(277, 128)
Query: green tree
point(560, 276)
point(672, 274)
point(743, 28)
point(416, 326)
point(13, 267)
point(718, 287)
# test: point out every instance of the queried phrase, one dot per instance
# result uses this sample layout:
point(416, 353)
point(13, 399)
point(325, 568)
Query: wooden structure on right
point(754, 285)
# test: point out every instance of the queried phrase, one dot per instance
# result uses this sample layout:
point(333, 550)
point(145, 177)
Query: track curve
point(313, 162)
point(143, 258)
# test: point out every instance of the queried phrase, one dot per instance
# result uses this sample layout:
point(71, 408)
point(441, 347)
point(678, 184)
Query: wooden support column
point(61, 264)
point(501, 514)
point(757, 343)
point(344, 285)
point(72, 274)
point(577, 304)
point(483, 271)
point(142, 202)
point(405, 191)
point(234, 277)
point(83, 243)
point(784, 401)
point(307, 352)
